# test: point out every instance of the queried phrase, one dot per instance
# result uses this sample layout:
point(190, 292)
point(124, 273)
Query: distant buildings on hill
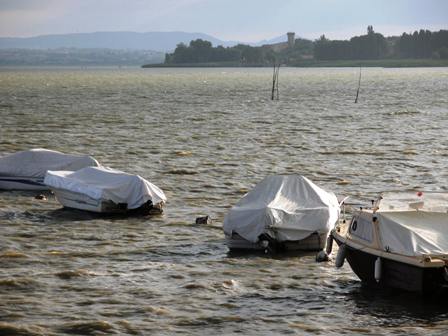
point(277, 47)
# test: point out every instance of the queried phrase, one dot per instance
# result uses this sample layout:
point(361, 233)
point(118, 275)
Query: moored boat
point(105, 190)
point(400, 242)
point(26, 170)
point(282, 213)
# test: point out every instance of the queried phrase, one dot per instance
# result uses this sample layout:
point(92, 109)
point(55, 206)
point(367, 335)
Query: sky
point(238, 20)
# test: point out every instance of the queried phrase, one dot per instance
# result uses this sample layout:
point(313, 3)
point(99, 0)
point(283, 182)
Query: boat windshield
point(414, 200)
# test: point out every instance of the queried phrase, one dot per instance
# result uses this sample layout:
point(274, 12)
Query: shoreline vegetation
point(382, 63)
point(420, 49)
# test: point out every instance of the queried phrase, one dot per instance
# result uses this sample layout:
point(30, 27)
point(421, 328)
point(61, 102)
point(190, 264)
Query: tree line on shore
point(200, 51)
point(422, 44)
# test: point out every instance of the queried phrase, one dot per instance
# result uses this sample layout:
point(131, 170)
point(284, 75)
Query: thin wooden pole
point(276, 82)
point(359, 86)
point(275, 92)
point(273, 84)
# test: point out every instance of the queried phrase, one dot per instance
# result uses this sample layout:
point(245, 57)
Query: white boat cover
point(36, 162)
point(413, 224)
point(290, 207)
point(101, 183)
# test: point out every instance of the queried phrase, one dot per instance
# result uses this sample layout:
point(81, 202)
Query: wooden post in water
point(276, 82)
point(359, 86)
point(275, 93)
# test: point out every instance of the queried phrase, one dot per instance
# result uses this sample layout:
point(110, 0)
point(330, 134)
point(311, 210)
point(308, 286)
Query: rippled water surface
point(206, 136)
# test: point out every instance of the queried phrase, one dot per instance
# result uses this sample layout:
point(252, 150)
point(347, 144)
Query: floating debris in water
point(204, 220)
point(343, 182)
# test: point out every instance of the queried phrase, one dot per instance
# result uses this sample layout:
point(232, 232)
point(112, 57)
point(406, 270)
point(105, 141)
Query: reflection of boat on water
point(282, 213)
point(105, 190)
point(401, 242)
point(26, 170)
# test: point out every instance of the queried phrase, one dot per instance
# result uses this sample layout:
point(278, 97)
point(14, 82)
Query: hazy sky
point(243, 20)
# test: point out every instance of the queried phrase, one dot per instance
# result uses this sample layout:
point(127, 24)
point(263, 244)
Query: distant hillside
point(157, 41)
point(78, 57)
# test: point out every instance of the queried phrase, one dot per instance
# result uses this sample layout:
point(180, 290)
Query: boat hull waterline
point(394, 274)
point(313, 242)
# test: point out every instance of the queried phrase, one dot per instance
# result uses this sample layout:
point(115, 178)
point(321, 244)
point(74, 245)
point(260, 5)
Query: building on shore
point(277, 47)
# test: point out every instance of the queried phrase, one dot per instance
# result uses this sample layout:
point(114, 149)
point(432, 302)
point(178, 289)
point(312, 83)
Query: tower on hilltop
point(291, 39)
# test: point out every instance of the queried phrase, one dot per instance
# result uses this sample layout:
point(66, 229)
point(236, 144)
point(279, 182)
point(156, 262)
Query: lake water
point(206, 136)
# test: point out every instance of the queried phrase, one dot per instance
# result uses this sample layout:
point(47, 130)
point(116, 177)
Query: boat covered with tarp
point(401, 241)
point(282, 212)
point(105, 190)
point(25, 170)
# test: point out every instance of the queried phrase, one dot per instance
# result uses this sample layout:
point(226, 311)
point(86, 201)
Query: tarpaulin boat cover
point(413, 224)
point(36, 162)
point(288, 207)
point(101, 183)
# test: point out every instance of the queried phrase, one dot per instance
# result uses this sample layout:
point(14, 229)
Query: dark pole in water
point(275, 82)
point(359, 86)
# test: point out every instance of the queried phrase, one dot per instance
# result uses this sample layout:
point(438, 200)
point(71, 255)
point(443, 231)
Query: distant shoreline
point(384, 63)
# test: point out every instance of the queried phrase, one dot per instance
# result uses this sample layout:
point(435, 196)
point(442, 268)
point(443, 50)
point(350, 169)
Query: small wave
point(157, 310)
point(229, 284)
point(67, 275)
point(229, 305)
point(18, 283)
point(9, 106)
point(402, 112)
point(305, 327)
point(87, 328)
point(409, 151)
point(177, 276)
point(275, 286)
point(12, 254)
point(20, 330)
point(75, 254)
point(196, 285)
point(10, 215)
point(183, 153)
point(198, 119)
point(127, 326)
point(209, 320)
point(353, 152)
point(56, 253)
point(181, 172)
point(358, 330)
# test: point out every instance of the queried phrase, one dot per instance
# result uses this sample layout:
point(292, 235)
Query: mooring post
point(275, 82)
point(359, 86)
